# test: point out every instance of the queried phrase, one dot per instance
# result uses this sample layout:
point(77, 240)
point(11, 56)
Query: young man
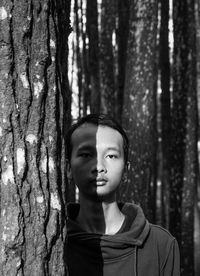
point(106, 238)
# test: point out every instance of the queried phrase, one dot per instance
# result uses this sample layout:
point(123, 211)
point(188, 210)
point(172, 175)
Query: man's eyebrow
point(86, 147)
point(113, 148)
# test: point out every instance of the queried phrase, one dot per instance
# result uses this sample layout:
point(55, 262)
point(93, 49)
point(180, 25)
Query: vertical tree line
point(184, 132)
point(139, 101)
point(165, 101)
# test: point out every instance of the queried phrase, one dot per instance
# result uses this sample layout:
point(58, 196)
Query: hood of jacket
point(109, 247)
point(143, 249)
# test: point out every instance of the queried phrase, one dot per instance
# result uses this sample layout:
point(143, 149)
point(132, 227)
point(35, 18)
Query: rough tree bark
point(85, 60)
point(122, 39)
point(197, 201)
point(78, 34)
point(34, 113)
point(165, 110)
point(139, 99)
point(184, 133)
point(106, 57)
point(93, 36)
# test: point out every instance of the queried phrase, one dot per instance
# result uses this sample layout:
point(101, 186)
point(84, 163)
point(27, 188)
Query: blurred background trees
point(145, 61)
point(138, 61)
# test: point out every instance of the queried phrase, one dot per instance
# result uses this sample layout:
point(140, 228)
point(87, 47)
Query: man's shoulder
point(161, 236)
point(159, 230)
point(161, 250)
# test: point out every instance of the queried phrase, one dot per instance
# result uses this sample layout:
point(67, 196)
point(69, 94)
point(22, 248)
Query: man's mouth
point(100, 181)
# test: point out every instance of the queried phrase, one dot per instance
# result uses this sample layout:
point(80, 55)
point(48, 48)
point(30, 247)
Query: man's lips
point(99, 181)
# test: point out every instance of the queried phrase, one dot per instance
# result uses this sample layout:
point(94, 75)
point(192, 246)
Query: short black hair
point(97, 119)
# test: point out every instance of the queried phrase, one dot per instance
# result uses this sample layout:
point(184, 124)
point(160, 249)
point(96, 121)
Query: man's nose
point(100, 165)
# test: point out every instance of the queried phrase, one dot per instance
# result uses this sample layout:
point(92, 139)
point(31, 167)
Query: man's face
point(97, 160)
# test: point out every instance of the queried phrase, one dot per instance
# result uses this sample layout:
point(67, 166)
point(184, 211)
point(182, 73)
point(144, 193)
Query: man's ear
point(126, 169)
point(128, 165)
point(69, 171)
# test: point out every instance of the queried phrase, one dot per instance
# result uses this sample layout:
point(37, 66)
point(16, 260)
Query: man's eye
point(112, 156)
point(85, 154)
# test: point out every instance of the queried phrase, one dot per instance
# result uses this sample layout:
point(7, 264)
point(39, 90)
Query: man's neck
point(100, 217)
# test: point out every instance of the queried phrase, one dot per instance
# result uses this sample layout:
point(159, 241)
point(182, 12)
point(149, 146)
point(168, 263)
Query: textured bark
point(122, 39)
point(165, 109)
point(86, 74)
point(106, 57)
point(33, 116)
point(78, 33)
point(139, 100)
point(197, 201)
point(93, 36)
point(81, 53)
point(184, 133)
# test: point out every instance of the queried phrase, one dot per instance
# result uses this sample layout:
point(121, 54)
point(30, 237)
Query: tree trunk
point(85, 61)
point(139, 100)
point(184, 133)
point(79, 62)
point(165, 109)
point(122, 38)
point(106, 57)
point(34, 114)
point(197, 201)
point(93, 36)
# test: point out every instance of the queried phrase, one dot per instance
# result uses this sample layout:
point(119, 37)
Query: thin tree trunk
point(178, 120)
point(93, 36)
point(139, 100)
point(106, 57)
point(184, 133)
point(165, 109)
point(191, 155)
point(122, 34)
point(85, 62)
point(197, 201)
point(34, 93)
point(79, 62)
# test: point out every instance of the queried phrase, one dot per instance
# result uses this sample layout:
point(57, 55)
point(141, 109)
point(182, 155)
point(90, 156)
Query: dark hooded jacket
point(141, 249)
